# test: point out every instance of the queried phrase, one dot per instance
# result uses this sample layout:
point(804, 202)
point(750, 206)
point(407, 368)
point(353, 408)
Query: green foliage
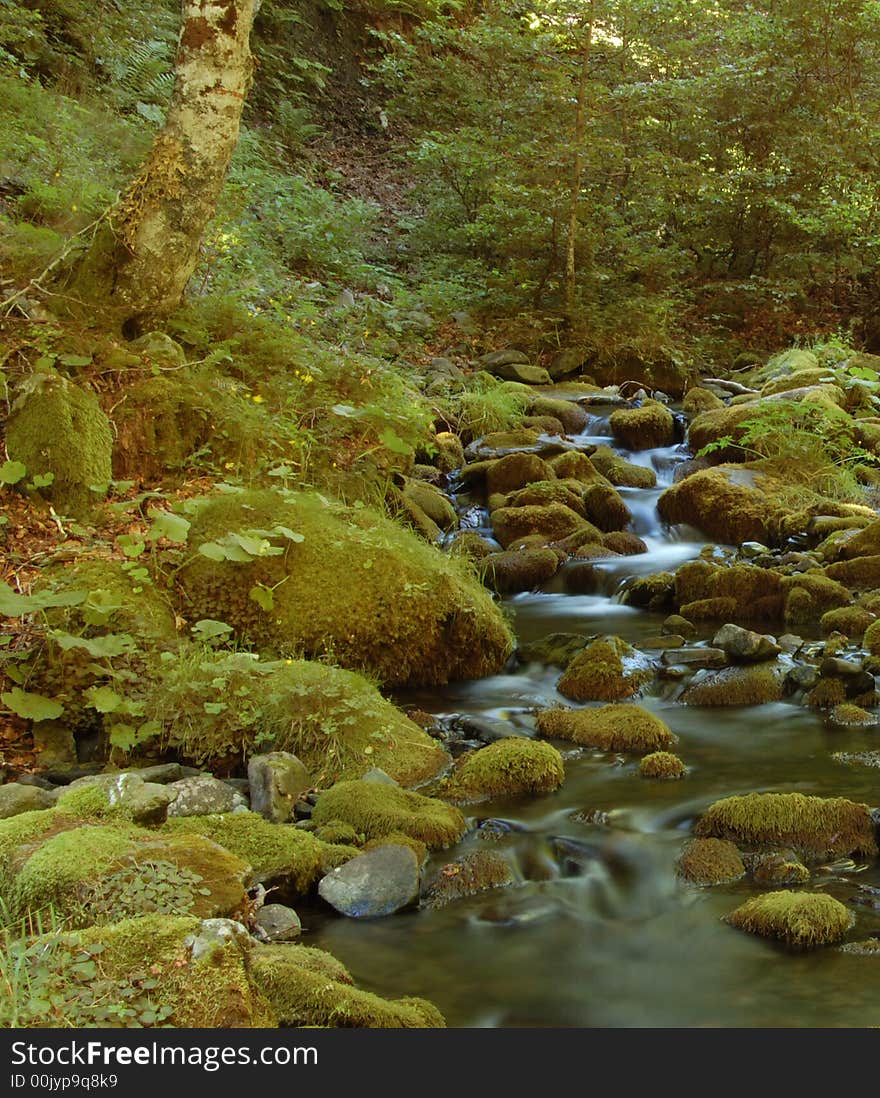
point(485, 404)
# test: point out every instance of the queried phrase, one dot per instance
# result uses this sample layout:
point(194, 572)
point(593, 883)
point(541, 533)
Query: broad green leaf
point(103, 699)
point(168, 525)
point(43, 480)
point(13, 605)
point(11, 472)
point(34, 707)
point(75, 360)
point(208, 628)
point(286, 532)
point(263, 597)
point(393, 442)
point(215, 708)
point(112, 644)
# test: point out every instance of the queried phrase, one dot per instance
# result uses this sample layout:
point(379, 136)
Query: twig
point(57, 521)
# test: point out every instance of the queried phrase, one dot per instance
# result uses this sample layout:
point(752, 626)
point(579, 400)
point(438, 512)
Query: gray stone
point(373, 884)
point(694, 657)
point(145, 802)
point(744, 645)
point(15, 799)
point(54, 744)
point(276, 780)
point(203, 796)
point(522, 372)
point(214, 933)
point(675, 623)
point(751, 549)
point(378, 777)
point(804, 676)
point(159, 347)
point(444, 367)
point(833, 667)
point(277, 923)
point(565, 362)
point(164, 773)
point(508, 357)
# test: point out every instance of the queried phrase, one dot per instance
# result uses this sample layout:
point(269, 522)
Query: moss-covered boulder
point(518, 570)
point(858, 573)
point(799, 919)
point(307, 987)
point(852, 621)
point(610, 728)
point(468, 876)
point(375, 810)
point(571, 415)
point(733, 504)
point(608, 669)
point(605, 507)
point(698, 400)
point(414, 615)
point(663, 765)
point(552, 521)
point(755, 684)
point(711, 862)
point(542, 492)
point(228, 706)
point(575, 465)
point(155, 970)
point(741, 592)
point(276, 854)
point(779, 868)
point(645, 428)
point(514, 471)
point(505, 768)
point(58, 427)
point(808, 596)
point(621, 473)
point(448, 452)
point(816, 827)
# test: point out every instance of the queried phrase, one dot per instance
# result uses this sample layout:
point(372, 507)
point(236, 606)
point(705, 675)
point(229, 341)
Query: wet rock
point(277, 923)
point(580, 578)
point(552, 522)
point(608, 728)
point(276, 781)
point(676, 624)
point(853, 716)
point(608, 669)
point(470, 875)
point(203, 796)
point(653, 593)
point(645, 428)
point(565, 362)
point(515, 471)
point(753, 684)
point(694, 657)
point(803, 677)
point(518, 570)
point(165, 773)
point(662, 765)
point(622, 474)
point(16, 798)
point(749, 550)
point(779, 867)
point(572, 417)
point(711, 862)
point(507, 767)
point(558, 649)
point(486, 729)
point(800, 919)
point(143, 802)
point(378, 776)
point(745, 646)
point(374, 884)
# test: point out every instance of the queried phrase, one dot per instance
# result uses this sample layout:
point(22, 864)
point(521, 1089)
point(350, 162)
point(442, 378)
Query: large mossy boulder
point(755, 684)
point(508, 767)
point(214, 705)
point(356, 586)
point(802, 920)
point(552, 521)
point(376, 810)
point(627, 728)
point(608, 669)
point(711, 862)
point(733, 504)
point(816, 827)
point(58, 427)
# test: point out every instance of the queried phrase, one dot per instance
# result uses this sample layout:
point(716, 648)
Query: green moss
point(605, 507)
point(851, 620)
point(449, 452)
point(337, 831)
point(572, 417)
point(860, 573)
point(514, 471)
point(59, 428)
point(471, 545)
point(827, 693)
point(469, 876)
point(542, 492)
point(800, 919)
point(698, 400)
point(853, 716)
point(606, 670)
point(799, 379)
point(301, 996)
point(397, 838)
point(433, 502)
point(575, 465)
point(622, 474)
point(610, 728)
point(643, 428)
point(711, 862)
point(738, 592)
point(519, 570)
point(375, 810)
point(816, 827)
point(415, 615)
point(655, 592)
point(755, 684)
point(505, 768)
point(624, 543)
point(552, 521)
point(221, 705)
point(661, 764)
point(273, 851)
point(558, 649)
point(871, 639)
point(809, 595)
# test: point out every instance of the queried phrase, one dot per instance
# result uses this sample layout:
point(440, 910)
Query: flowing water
point(598, 930)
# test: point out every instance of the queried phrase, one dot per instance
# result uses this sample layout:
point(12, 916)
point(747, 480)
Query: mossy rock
point(434, 503)
point(156, 970)
point(799, 919)
point(865, 543)
point(608, 669)
point(303, 993)
point(59, 428)
point(542, 492)
point(415, 616)
point(853, 621)
point(572, 416)
point(621, 473)
point(374, 810)
point(779, 868)
point(518, 570)
point(92, 872)
point(471, 545)
point(508, 767)
point(274, 853)
point(645, 428)
point(711, 862)
point(575, 465)
point(871, 639)
point(558, 649)
point(514, 471)
point(852, 716)
point(468, 876)
point(624, 543)
point(335, 721)
point(733, 504)
point(627, 728)
point(858, 573)
point(816, 827)
point(663, 765)
point(605, 508)
point(735, 593)
point(655, 592)
point(756, 684)
point(449, 452)
point(810, 595)
point(552, 521)
point(799, 379)
point(698, 400)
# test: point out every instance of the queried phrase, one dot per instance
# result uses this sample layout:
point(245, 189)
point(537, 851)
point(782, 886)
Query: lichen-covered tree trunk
point(143, 255)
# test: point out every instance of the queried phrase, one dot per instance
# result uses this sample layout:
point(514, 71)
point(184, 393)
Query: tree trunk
point(578, 166)
point(144, 253)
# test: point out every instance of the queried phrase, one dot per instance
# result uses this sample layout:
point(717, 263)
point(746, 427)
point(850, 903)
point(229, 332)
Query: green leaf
point(168, 525)
point(34, 707)
point(103, 699)
point(112, 644)
point(263, 597)
point(208, 628)
point(291, 535)
point(75, 360)
point(13, 605)
point(393, 442)
point(130, 545)
point(215, 707)
point(11, 472)
point(43, 480)
point(212, 550)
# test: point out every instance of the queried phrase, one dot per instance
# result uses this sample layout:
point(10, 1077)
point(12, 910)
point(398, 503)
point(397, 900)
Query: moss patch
point(414, 616)
point(643, 428)
point(375, 810)
point(800, 919)
point(505, 768)
point(711, 862)
point(756, 684)
point(663, 765)
point(470, 875)
point(606, 670)
point(610, 728)
point(816, 827)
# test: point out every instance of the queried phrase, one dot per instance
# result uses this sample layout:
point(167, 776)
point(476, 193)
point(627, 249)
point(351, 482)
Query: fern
point(144, 79)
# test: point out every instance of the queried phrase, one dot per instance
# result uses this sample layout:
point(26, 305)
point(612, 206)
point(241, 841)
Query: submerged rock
point(468, 876)
point(744, 645)
point(645, 428)
point(663, 765)
point(753, 684)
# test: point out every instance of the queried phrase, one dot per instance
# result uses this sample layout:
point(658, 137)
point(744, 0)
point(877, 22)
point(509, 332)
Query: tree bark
point(144, 253)
point(578, 166)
